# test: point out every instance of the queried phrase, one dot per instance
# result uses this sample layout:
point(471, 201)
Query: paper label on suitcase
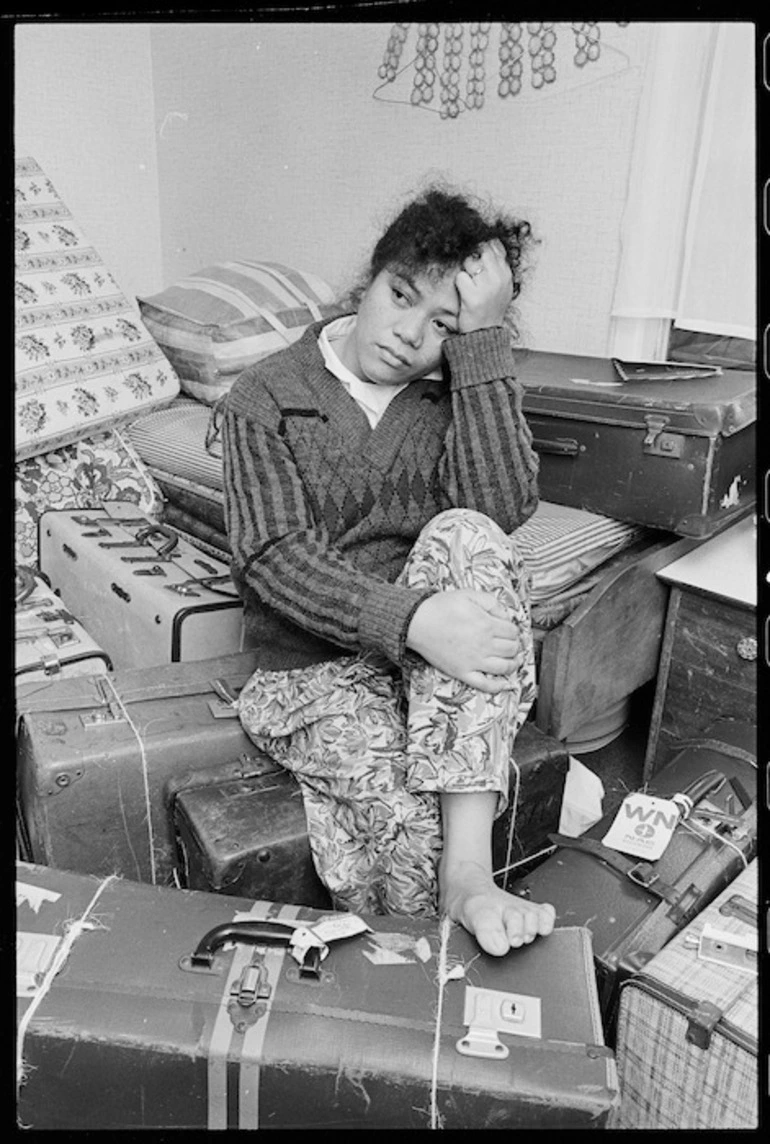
point(643, 826)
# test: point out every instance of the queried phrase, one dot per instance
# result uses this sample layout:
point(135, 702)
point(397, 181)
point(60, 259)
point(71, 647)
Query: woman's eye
point(399, 295)
point(442, 327)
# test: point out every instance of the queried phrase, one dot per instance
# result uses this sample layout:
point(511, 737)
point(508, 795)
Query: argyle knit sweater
point(322, 510)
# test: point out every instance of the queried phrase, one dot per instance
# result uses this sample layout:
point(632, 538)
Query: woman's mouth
point(390, 357)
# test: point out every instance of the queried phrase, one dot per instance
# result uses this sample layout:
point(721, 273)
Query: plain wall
point(181, 144)
point(83, 108)
point(272, 145)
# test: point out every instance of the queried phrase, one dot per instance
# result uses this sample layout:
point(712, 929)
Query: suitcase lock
point(249, 993)
point(659, 444)
point(489, 1011)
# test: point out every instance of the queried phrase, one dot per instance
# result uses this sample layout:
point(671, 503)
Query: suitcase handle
point(172, 539)
point(252, 933)
point(561, 446)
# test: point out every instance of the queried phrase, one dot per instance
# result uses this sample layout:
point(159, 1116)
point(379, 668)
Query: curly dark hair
point(437, 231)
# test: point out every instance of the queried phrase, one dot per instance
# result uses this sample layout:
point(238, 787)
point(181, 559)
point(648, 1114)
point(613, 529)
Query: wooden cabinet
point(708, 663)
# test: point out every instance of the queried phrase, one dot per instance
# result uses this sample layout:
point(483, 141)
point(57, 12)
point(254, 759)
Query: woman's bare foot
point(498, 920)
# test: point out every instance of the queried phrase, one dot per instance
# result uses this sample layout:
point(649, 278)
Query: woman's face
point(401, 326)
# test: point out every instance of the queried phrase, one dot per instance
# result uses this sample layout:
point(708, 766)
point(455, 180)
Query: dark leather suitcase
point(147, 594)
point(99, 758)
point(147, 1007)
point(633, 907)
point(520, 836)
point(676, 455)
point(248, 835)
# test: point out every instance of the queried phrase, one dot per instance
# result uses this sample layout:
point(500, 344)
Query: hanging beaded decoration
point(540, 48)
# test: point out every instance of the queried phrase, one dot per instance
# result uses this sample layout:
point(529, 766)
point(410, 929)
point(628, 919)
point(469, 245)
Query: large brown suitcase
point(670, 454)
point(632, 906)
point(147, 1007)
point(248, 835)
point(99, 758)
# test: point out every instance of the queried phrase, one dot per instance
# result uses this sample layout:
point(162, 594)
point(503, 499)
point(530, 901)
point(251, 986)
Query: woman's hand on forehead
point(485, 286)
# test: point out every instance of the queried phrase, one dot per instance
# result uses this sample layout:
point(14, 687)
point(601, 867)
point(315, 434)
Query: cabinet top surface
point(725, 566)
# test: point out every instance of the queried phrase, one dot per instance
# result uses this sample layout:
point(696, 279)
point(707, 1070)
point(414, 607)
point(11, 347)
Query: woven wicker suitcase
point(688, 1023)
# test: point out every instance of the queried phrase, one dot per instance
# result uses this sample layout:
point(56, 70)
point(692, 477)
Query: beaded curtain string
point(438, 78)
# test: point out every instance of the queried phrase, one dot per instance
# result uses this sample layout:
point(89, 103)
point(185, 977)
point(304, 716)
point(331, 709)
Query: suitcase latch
point(490, 1011)
point(721, 947)
point(657, 443)
point(112, 714)
point(248, 994)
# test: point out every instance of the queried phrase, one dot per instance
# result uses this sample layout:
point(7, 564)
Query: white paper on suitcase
point(145, 593)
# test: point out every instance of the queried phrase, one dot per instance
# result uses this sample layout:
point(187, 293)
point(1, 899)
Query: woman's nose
point(409, 329)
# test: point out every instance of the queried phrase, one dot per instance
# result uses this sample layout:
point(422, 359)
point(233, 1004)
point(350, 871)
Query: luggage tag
point(644, 824)
point(316, 936)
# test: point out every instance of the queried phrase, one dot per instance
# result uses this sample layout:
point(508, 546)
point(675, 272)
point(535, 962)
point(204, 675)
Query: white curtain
point(718, 291)
point(687, 240)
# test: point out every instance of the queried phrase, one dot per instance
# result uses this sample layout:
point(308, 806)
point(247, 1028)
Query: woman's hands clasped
point(465, 634)
point(485, 286)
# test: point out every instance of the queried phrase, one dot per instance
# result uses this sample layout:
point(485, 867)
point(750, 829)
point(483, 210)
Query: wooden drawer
point(705, 672)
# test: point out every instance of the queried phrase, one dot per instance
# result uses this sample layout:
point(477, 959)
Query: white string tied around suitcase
point(73, 931)
point(514, 809)
point(442, 976)
point(145, 777)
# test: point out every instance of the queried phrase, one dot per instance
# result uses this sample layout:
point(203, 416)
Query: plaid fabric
point(84, 361)
point(667, 1082)
point(214, 323)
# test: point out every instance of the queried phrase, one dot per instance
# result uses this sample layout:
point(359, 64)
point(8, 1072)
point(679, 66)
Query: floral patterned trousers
point(372, 746)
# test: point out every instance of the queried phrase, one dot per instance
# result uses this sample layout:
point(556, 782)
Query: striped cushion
point(216, 322)
point(177, 441)
point(84, 361)
point(560, 544)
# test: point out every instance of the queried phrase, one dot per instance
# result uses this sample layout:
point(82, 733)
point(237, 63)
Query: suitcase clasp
point(113, 714)
point(658, 443)
point(248, 994)
point(489, 1011)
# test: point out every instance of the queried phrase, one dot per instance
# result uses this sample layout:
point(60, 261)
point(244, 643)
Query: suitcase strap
point(642, 873)
point(90, 693)
point(730, 749)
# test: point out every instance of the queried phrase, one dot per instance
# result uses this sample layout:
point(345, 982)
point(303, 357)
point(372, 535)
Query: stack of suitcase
point(634, 907)
point(172, 971)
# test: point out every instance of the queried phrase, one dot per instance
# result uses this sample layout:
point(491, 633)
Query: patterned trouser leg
point(372, 748)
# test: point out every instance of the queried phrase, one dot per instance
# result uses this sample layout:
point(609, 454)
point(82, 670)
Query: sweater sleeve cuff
point(385, 618)
point(483, 355)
